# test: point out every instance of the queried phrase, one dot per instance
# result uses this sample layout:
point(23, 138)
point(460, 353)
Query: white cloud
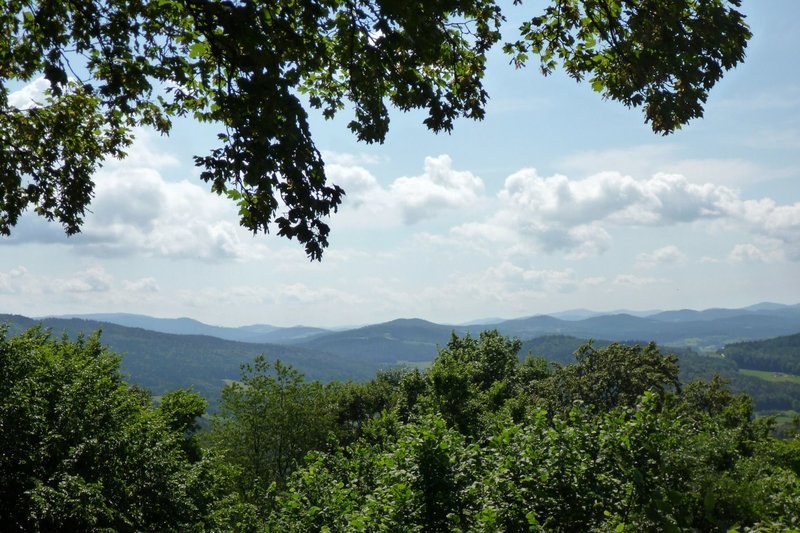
point(11, 281)
point(348, 160)
point(148, 284)
point(439, 187)
point(630, 280)
point(578, 218)
point(780, 223)
point(750, 253)
point(94, 280)
point(145, 153)
point(360, 186)
point(667, 255)
point(136, 211)
point(31, 95)
point(515, 278)
point(405, 200)
point(642, 160)
point(660, 200)
point(557, 214)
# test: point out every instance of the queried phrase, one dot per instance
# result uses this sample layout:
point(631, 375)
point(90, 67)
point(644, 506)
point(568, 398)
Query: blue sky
point(557, 200)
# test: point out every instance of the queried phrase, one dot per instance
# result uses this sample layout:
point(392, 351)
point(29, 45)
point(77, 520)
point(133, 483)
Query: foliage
point(113, 65)
point(267, 423)
point(470, 376)
point(662, 55)
point(625, 449)
point(83, 451)
point(609, 377)
point(161, 362)
point(781, 354)
point(479, 442)
point(181, 409)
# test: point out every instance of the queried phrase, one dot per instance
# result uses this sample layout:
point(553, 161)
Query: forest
point(478, 441)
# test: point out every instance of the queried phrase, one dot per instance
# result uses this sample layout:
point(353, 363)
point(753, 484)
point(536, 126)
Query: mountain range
point(412, 338)
point(164, 353)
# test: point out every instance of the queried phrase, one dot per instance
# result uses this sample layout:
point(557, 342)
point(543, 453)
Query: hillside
point(162, 362)
point(712, 328)
point(258, 333)
point(387, 343)
point(416, 340)
point(781, 354)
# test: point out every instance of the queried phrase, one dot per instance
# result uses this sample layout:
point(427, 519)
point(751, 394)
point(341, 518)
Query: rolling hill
point(183, 352)
point(258, 333)
point(416, 340)
point(162, 361)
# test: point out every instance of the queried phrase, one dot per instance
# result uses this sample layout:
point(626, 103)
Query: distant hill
point(389, 342)
point(258, 333)
point(781, 354)
point(712, 328)
point(758, 310)
point(416, 340)
point(163, 361)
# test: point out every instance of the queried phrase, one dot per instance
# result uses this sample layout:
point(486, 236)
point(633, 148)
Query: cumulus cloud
point(660, 200)
point(94, 279)
point(144, 285)
point(360, 185)
point(545, 281)
point(12, 280)
point(439, 187)
point(779, 223)
point(136, 211)
point(404, 200)
point(560, 215)
point(577, 217)
point(667, 255)
point(31, 95)
point(750, 253)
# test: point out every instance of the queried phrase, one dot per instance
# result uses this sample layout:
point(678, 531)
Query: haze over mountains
point(413, 338)
point(165, 353)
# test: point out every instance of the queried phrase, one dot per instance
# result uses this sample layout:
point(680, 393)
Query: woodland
point(479, 441)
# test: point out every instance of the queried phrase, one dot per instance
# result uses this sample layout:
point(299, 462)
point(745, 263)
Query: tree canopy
point(81, 450)
point(478, 442)
point(253, 67)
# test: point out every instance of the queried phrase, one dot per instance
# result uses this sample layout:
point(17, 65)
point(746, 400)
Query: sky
point(558, 200)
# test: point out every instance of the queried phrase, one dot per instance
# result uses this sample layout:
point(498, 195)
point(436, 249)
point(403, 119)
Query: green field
point(420, 365)
point(771, 376)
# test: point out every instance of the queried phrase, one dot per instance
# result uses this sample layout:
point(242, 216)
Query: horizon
point(643, 313)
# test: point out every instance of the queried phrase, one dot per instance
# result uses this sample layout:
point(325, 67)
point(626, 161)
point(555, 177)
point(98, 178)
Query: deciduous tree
point(80, 450)
point(244, 65)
